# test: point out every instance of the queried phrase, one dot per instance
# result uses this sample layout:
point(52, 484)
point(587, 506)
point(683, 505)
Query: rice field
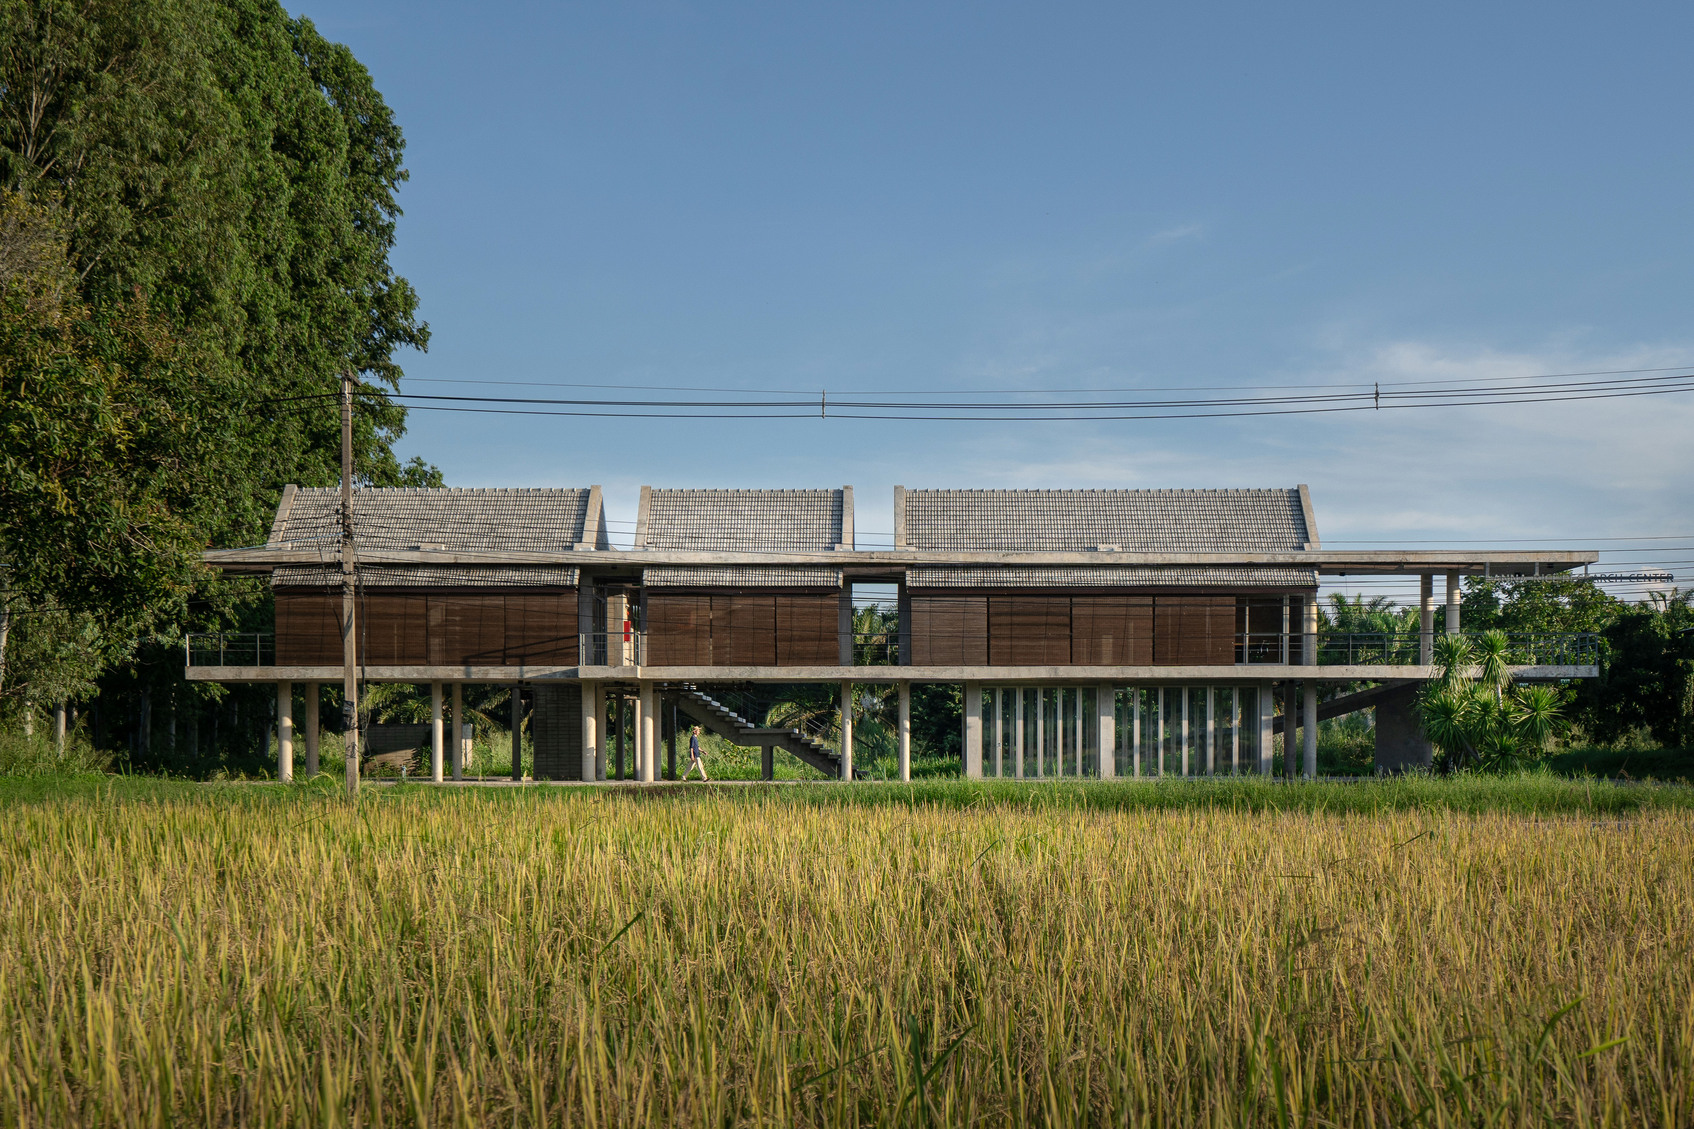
point(816, 955)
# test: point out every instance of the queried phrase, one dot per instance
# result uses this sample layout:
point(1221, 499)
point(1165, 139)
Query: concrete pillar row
point(285, 731)
point(437, 733)
point(1452, 603)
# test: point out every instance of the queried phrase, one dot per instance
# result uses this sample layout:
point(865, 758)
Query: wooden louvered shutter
point(949, 630)
point(1194, 630)
point(541, 629)
point(308, 628)
point(679, 630)
point(1112, 630)
point(743, 629)
point(808, 629)
point(1029, 630)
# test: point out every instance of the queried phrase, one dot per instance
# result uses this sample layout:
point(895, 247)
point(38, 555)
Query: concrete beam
point(1059, 675)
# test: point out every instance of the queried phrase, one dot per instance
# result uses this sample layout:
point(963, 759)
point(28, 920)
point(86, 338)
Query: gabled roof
point(465, 520)
point(745, 520)
point(1202, 521)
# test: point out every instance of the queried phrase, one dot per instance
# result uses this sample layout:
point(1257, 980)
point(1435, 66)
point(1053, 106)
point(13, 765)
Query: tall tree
point(220, 184)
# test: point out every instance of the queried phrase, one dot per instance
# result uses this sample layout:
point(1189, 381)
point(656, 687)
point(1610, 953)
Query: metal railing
point(230, 648)
point(612, 648)
point(876, 648)
point(1529, 648)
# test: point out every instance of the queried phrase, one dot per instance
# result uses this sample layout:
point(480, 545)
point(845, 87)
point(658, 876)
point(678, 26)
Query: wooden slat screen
point(1194, 630)
point(808, 629)
point(391, 628)
point(433, 629)
point(1112, 630)
point(540, 630)
point(949, 630)
point(308, 628)
point(744, 630)
point(1029, 630)
point(679, 630)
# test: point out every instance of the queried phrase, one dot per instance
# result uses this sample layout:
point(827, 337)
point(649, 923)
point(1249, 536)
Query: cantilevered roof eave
point(1503, 564)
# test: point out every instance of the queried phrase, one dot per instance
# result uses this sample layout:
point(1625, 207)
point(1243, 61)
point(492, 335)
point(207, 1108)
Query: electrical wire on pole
point(349, 640)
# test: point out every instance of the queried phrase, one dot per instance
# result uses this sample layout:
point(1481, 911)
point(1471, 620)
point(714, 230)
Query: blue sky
point(993, 196)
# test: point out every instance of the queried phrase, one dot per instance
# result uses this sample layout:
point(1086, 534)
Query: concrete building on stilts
point(1094, 633)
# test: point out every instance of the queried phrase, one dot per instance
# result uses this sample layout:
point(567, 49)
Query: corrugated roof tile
point(745, 520)
point(1084, 520)
point(464, 519)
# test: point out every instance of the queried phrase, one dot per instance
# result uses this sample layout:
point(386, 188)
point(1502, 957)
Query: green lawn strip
point(1530, 793)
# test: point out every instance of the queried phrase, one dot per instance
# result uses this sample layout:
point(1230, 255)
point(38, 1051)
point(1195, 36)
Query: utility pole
point(349, 640)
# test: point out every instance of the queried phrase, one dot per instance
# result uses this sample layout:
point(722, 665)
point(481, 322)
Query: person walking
point(695, 757)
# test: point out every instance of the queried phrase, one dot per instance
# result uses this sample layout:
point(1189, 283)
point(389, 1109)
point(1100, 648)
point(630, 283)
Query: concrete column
point(59, 726)
point(1452, 603)
point(313, 705)
point(649, 755)
point(437, 733)
point(458, 731)
point(1426, 619)
point(905, 736)
point(1106, 714)
point(1309, 629)
point(592, 713)
point(1310, 729)
point(973, 731)
point(846, 731)
point(1290, 729)
point(285, 731)
point(767, 763)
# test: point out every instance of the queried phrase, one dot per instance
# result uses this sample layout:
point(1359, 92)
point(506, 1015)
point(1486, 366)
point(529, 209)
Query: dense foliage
point(199, 209)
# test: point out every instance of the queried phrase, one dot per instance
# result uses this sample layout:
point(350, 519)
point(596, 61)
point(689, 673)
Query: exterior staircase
point(715, 717)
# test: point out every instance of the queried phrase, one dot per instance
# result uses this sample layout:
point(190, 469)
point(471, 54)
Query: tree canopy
point(199, 210)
